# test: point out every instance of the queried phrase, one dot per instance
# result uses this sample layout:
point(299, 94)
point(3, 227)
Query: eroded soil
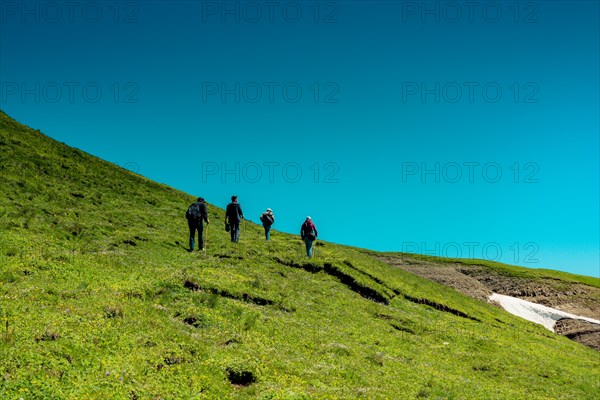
point(479, 282)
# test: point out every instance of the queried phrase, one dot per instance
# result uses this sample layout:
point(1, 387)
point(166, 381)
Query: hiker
point(308, 233)
point(195, 213)
point(233, 217)
point(267, 218)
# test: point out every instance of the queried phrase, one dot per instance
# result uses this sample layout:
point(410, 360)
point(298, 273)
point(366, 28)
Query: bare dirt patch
point(480, 282)
point(574, 298)
point(580, 331)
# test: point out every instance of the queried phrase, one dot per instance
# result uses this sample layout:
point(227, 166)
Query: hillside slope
point(579, 295)
point(100, 299)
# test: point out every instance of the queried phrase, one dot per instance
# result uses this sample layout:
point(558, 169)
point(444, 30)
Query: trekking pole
point(206, 240)
point(244, 232)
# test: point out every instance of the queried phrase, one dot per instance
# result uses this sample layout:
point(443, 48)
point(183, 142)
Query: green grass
point(100, 299)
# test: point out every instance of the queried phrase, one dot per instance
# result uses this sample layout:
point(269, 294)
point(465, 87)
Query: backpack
point(266, 219)
point(193, 212)
point(233, 212)
point(309, 232)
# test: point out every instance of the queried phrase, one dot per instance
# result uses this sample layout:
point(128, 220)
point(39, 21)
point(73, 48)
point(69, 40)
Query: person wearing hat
point(308, 233)
point(233, 217)
point(267, 218)
point(195, 213)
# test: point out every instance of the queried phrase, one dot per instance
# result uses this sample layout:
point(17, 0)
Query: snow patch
point(533, 312)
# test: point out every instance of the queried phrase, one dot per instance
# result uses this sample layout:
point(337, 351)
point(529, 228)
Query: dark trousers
point(196, 226)
point(235, 231)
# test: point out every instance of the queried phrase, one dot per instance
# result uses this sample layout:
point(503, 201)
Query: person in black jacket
point(196, 212)
point(233, 217)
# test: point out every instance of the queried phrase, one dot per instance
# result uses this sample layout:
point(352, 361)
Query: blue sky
point(447, 128)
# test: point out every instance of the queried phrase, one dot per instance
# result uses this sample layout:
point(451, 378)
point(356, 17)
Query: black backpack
point(193, 212)
point(233, 212)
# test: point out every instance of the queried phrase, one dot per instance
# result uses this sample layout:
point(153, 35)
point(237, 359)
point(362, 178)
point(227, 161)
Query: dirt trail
point(480, 282)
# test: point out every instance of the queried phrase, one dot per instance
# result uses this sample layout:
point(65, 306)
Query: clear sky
point(451, 128)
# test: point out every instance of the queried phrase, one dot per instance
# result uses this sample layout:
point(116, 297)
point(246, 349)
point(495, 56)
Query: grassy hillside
point(100, 299)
